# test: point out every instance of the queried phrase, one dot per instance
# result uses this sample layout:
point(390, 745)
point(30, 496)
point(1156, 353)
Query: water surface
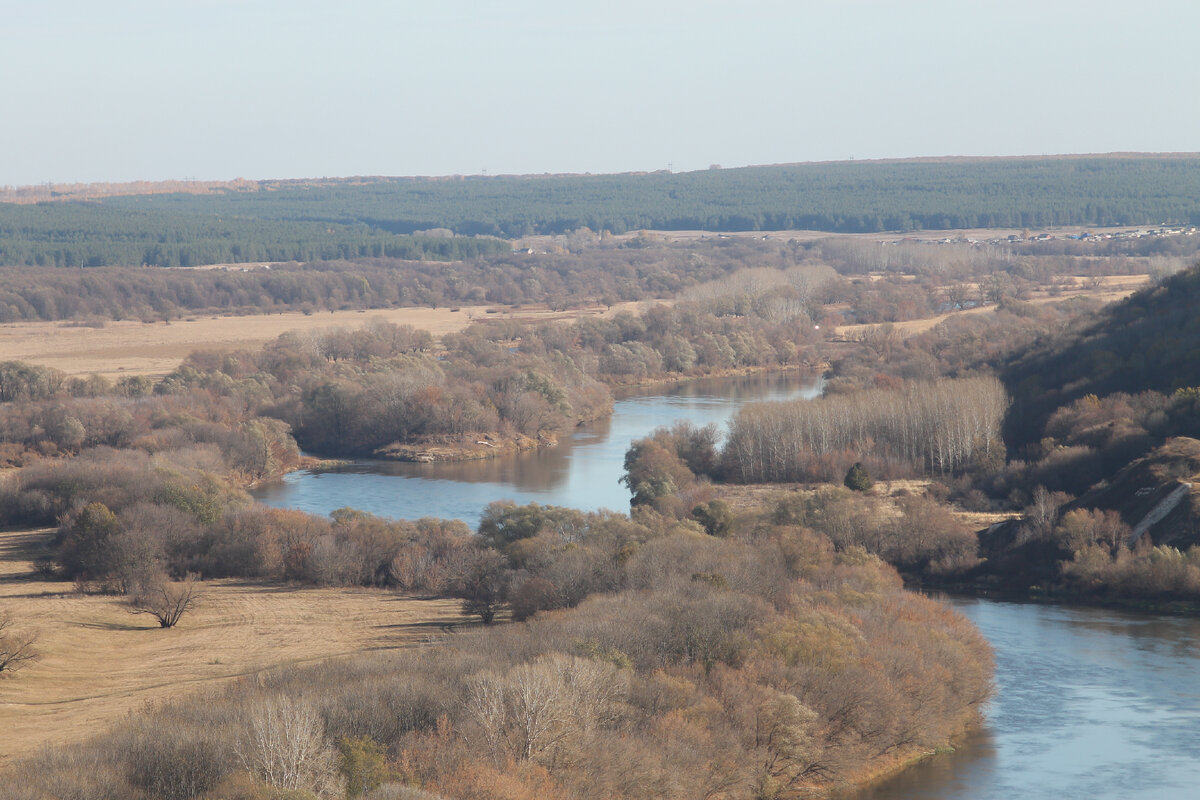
point(1091, 703)
point(583, 471)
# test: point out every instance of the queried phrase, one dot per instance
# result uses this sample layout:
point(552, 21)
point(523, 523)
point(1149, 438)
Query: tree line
point(305, 220)
point(72, 234)
point(940, 428)
point(560, 280)
point(354, 391)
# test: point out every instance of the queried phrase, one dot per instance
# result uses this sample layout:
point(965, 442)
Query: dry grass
point(1109, 289)
point(130, 347)
point(755, 497)
point(99, 661)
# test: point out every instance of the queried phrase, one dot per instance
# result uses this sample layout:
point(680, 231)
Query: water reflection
point(1091, 703)
point(582, 472)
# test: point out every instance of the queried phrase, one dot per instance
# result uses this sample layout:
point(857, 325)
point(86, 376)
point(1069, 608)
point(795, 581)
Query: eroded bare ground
point(99, 661)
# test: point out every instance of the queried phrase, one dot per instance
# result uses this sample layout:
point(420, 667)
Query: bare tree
point(16, 647)
point(167, 602)
point(285, 745)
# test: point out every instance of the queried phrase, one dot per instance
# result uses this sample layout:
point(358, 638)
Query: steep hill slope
point(1151, 341)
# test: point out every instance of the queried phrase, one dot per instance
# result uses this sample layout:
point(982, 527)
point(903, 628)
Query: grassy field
point(1108, 289)
point(752, 497)
point(99, 661)
point(130, 347)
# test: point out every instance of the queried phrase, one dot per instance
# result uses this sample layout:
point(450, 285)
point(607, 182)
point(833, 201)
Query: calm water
point(581, 472)
point(1090, 703)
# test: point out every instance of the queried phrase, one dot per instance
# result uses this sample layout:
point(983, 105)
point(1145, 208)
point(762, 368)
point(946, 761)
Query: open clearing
point(130, 347)
point(1108, 289)
point(99, 662)
point(752, 497)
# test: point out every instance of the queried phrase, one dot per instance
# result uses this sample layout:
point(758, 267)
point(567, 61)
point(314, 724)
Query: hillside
point(345, 218)
point(1150, 341)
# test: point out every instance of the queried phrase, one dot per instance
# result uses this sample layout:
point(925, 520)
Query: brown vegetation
point(937, 428)
point(120, 348)
point(760, 665)
point(696, 649)
point(99, 662)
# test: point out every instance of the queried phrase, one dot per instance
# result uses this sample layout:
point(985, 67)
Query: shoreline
point(1176, 608)
point(481, 446)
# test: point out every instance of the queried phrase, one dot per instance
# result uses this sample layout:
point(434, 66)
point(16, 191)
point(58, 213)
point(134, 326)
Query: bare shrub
point(167, 602)
point(398, 791)
point(172, 761)
point(284, 745)
point(536, 710)
point(16, 647)
point(78, 773)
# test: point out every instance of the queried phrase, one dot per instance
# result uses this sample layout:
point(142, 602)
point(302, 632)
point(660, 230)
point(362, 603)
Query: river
point(583, 471)
point(1090, 703)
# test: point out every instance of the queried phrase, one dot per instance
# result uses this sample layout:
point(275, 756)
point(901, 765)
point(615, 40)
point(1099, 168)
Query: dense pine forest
point(93, 234)
point(373, 217)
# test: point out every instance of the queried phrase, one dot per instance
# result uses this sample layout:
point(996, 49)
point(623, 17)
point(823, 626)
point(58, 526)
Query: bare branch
point(167, 602)
point(16, 648)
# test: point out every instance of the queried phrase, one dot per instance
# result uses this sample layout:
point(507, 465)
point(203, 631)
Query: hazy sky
point(117, 90)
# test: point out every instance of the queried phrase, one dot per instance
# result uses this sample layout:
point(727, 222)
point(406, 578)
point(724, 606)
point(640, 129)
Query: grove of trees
point(938, 428)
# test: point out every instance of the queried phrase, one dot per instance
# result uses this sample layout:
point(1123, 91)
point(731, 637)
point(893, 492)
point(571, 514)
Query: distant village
point(1082, 236)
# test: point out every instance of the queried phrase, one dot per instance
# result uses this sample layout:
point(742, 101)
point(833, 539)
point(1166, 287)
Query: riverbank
point(468, 447)
point(1051, 597)
point(889, 768)
point(480, 446)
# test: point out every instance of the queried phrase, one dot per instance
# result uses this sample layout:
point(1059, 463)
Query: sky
point(124, 90)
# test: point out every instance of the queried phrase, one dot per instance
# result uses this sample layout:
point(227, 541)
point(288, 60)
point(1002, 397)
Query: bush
point(857, 479)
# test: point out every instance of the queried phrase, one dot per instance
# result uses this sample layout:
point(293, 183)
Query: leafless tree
point(167, 602)
point(537, 710)
point(16, 647)
point(940, 427)
point(285, 745)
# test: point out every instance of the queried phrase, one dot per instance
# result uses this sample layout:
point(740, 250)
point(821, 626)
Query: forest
point(881, 282)
point(93, 235)
point(374, 217)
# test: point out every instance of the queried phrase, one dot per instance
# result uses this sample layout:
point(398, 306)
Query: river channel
point(583, 471)
point(1090, 703)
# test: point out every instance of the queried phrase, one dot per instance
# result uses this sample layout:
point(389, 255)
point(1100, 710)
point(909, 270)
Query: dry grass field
point(99, 661)
point(130, 347)
point(752, 497)
point(1108, 289)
